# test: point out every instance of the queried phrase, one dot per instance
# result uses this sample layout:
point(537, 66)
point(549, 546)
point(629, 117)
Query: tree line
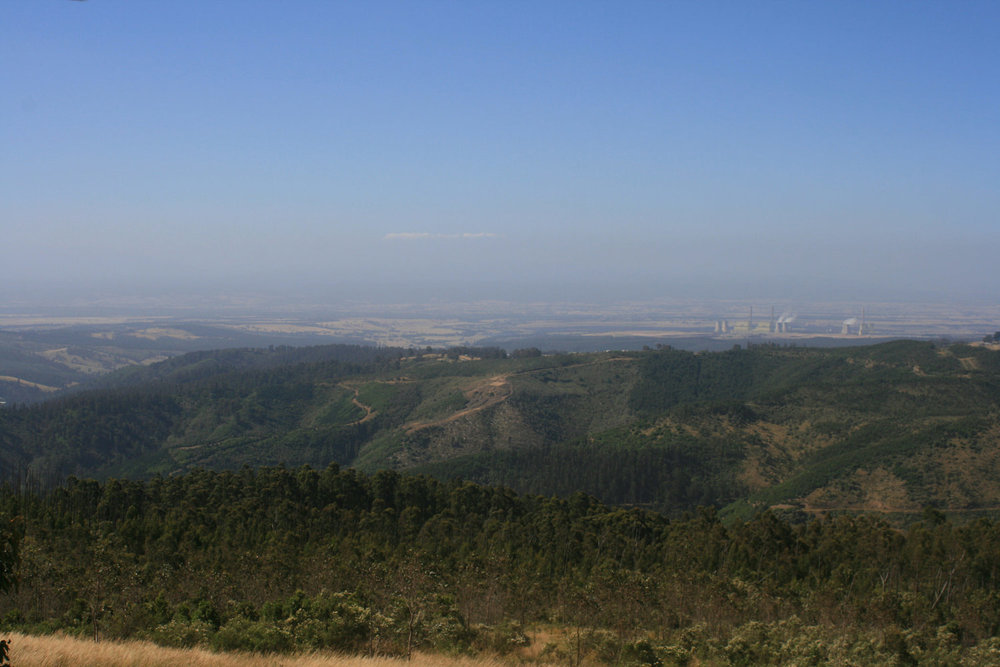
point(282, 559)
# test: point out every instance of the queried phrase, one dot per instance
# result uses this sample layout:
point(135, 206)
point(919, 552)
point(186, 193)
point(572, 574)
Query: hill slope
point(891, 427)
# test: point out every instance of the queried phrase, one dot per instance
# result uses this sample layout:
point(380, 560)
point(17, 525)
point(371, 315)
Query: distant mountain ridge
point(891, 427)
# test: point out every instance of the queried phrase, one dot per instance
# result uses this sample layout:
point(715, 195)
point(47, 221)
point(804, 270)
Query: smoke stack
point(783, 321)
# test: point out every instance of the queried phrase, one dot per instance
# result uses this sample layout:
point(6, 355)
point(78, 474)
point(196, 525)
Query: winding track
point(492, 398)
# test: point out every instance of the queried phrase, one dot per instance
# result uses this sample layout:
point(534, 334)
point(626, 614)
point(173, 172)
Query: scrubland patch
point(969, 363)
point(966, 473)
point(85, 360)
point(877, 490)
point(754, 474)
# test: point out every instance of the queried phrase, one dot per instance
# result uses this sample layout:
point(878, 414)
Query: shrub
point(502, 639)
point(640, 653)
point(241, 634)
point(180, 633)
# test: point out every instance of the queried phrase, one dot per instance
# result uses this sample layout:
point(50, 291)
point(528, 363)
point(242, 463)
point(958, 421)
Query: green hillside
point(892, 427)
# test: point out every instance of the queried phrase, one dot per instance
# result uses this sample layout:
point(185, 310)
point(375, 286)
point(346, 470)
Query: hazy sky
point(734, 149)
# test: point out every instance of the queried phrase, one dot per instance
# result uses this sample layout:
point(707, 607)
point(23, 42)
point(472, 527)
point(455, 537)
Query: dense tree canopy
point(283, 558)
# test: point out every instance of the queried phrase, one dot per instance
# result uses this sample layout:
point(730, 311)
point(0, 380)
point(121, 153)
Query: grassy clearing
point(64, 651)
point(377, 394)
point(340, 409)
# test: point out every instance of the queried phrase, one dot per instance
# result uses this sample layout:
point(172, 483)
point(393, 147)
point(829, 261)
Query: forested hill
point(891, 427)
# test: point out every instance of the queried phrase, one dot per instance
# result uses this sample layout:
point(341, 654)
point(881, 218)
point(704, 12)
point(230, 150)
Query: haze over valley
point(58, 348)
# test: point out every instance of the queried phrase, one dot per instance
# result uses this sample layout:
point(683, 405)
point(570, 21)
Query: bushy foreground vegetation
point(296, 559)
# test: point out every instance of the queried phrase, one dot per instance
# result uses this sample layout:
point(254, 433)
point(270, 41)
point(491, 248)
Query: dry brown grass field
point(63, 651)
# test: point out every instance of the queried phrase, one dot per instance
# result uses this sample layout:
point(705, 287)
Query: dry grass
point(63, 651)
point(155, 333)
point(43, 387)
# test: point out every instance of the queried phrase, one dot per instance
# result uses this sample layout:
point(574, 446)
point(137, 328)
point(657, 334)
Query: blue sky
point(806, 150)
